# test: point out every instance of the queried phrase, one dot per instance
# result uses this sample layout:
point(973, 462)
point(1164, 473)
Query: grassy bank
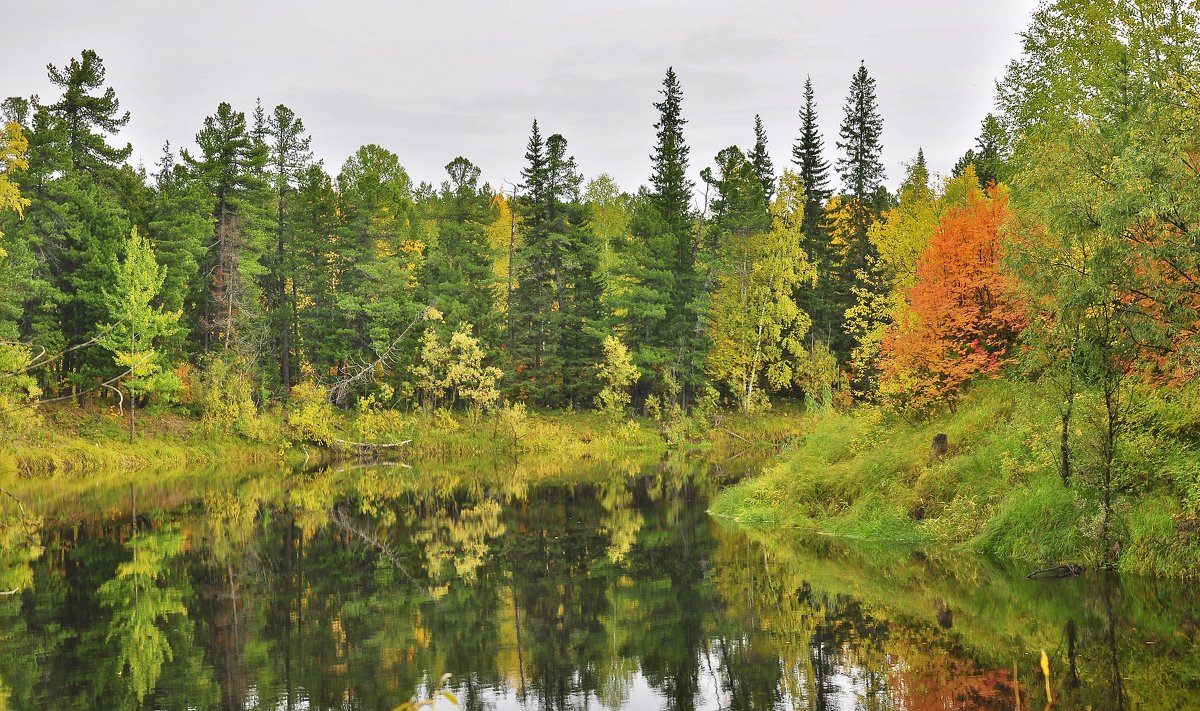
point(76, 441)
point(869, 475)
point(72, 441)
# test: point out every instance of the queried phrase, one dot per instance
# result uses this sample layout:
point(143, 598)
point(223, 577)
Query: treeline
point(1062, 241)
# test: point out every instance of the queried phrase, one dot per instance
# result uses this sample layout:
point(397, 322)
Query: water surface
point(355, 588)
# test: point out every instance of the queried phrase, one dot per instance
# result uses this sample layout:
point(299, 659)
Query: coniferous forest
point(1055, 267)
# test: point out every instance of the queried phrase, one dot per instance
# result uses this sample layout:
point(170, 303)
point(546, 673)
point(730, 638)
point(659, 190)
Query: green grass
point(867, 475)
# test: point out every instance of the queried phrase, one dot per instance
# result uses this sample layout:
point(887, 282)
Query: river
point(356, 588)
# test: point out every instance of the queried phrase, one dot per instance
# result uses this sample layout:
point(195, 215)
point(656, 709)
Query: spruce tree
point(861, 163)
point(661, 292)
point(761, 160)
point(180, 223)
point(458, 277)
point(813, 170)
point(320, 333)
point(557, 316)
point(807, 155)
point(862, 174)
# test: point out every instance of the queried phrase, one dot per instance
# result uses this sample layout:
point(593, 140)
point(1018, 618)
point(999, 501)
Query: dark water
point(357, 589)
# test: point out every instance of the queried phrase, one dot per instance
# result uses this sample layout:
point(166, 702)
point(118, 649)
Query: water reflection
point(351, 588)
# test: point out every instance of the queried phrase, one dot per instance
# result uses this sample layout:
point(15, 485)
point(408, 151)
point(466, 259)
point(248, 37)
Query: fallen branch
point(370, 445)
point(341, 388)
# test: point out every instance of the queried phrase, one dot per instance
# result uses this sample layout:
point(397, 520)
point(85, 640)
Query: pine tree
point(380, 252)
point(990, 154)
point(737, 208)
point(88, 115)
point(289, 154)
point(231, 165)
point(761, 160)
point(84, 197)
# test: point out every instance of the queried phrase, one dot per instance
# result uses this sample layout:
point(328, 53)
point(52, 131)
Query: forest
point(1056, 267)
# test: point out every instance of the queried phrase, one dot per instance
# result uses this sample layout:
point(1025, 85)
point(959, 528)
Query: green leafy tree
point(618, 374)
point(757, 329)
point(141, 603)
point(137, 323)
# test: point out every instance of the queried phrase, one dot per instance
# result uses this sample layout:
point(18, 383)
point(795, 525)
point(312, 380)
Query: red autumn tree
point(963, 313)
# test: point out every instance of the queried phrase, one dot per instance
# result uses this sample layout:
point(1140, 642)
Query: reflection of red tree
point(942, 682)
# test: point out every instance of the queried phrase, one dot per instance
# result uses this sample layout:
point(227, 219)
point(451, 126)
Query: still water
point(355, 588)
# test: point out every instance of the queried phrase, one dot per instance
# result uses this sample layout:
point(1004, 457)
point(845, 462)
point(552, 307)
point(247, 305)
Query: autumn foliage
point(962, 314)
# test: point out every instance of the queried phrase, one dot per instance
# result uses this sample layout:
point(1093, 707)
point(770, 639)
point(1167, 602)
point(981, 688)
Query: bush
point(310, 415)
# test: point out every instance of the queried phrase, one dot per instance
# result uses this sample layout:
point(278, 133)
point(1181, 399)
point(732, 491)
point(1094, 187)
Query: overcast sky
point(434, 79)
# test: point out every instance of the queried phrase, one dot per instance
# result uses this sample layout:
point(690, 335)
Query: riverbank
point(870, 475)
point(81, 442)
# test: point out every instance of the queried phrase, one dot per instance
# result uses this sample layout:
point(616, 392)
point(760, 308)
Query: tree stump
point(941, 444)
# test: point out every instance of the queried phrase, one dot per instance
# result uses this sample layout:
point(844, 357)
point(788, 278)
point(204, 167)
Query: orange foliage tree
point(963, 313)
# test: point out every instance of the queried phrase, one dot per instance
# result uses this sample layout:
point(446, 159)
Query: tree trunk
point(132, 407)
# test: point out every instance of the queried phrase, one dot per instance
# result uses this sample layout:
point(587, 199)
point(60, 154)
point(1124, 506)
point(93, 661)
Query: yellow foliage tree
point(757, 328)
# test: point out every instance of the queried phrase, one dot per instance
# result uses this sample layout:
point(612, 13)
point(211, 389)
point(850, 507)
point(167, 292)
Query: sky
point(435, 79)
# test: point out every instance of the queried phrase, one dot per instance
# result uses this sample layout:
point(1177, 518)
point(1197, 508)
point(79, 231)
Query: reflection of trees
point(559, 595)
point(455, 542)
